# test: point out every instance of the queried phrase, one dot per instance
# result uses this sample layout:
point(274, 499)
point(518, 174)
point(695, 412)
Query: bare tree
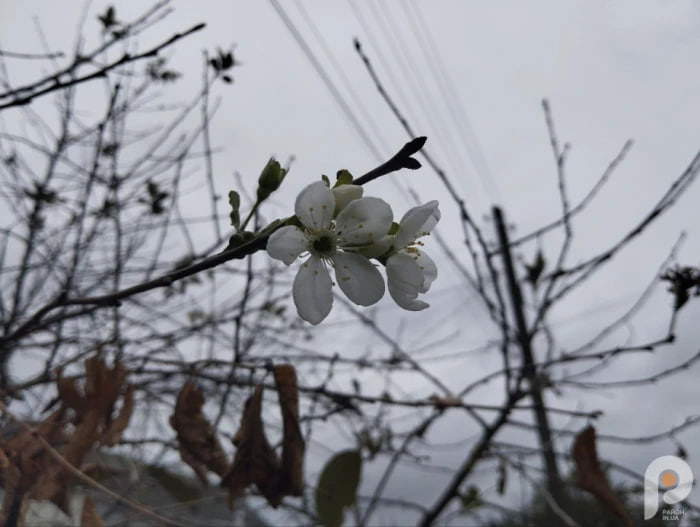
point(134, 320)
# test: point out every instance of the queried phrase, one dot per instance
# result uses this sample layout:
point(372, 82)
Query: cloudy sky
point(471, 76)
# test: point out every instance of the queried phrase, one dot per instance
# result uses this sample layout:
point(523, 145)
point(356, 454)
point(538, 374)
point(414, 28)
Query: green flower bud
point(270, 178)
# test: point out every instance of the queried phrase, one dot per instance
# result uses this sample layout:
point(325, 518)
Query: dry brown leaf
point(54, 481)
point(90, 517)
point(255, 460)
point(13, 493)
point(292, 468)
point(41, 477)
point(93, 420)
point(4, 462)
point(28, 459)
point(113, 433)
point(199, 447)
point(590, 477)
point(70, 395)
point(103, 385)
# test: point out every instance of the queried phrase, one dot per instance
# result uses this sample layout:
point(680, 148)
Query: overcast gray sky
point(611, 71)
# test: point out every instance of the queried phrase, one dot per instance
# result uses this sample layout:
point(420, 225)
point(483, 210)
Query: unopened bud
point(270, 178)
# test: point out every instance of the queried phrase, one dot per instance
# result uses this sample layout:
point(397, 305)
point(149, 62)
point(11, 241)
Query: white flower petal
point(363, 221)
point(312, 291)
point(416, 222)
point(287, 244)
point(344, 194)
point(358, 278)
point(428, 268)
point(314, 206)
point(405, 280)
point(378, 248)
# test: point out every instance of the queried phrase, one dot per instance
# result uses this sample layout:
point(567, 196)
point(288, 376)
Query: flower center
point(324, 245)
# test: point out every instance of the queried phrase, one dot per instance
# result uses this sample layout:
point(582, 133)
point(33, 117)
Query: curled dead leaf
point(113, 433)
point(199, 447)
point(255, 461)
point(590, 477)
point(69, 394)
point(292, 469)
point(39, 476)
point(90, 517)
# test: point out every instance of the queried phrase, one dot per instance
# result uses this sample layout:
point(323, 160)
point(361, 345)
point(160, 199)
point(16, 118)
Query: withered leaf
point(70, 395)
point(46, 478)
point(4, 462)
point(292, 469)
point(28, 459)
point(255, 460)
point(90, 517)
point(116, 427)
point(102, 384)
point(590, 477)
point(199, 447)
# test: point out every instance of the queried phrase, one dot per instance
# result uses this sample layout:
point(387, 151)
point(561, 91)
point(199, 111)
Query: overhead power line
point(410, 65)
point(357, 100)
point(326, 79)
point(459, 114)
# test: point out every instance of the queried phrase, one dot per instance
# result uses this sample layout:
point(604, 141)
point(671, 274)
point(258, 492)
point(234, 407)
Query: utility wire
point(398, 87)
point(326, 79)
point(466, 131)
point(412, 80)
point(357, 100)
point(410, 63)
point(329, 84)
point(441, 81)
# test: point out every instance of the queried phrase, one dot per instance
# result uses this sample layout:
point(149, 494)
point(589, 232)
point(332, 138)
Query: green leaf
point(326, 180)
point(337, 487)
point(394, 228)
point(343, 178)
point(234, 200)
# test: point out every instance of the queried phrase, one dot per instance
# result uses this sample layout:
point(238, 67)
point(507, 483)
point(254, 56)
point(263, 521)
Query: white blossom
point(409, 270)
point(332, 238)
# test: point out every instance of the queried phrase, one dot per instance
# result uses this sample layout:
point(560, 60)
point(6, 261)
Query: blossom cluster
point(340, 229)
